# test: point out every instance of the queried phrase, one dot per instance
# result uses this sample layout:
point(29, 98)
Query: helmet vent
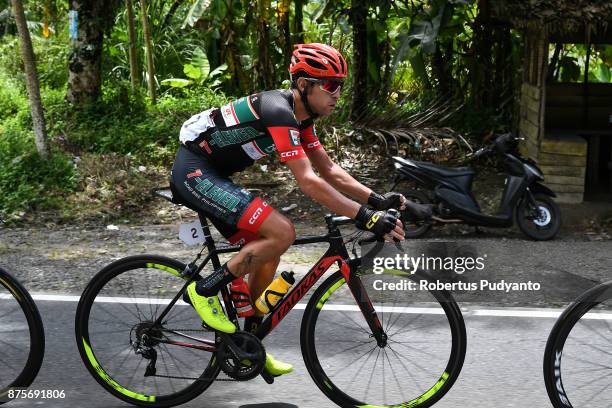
point(316, 64)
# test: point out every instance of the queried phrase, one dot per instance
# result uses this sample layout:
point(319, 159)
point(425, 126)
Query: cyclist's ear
point(302, 84)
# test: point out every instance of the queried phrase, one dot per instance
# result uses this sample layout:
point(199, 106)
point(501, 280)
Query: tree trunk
point(265, 72)
point(482, 67)
point(85, 59)
point(298, 22)
point(282, 12)
point(359, 12)
point(231, 52)
point(171, 13)
point(149, 51)
point(134, 77)
point(441, 68)
point(29, 62)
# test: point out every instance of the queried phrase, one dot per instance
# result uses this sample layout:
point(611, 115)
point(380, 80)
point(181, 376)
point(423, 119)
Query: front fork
point(349, 270)
point(534, 211)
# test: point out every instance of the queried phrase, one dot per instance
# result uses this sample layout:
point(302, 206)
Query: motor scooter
point(524, 199)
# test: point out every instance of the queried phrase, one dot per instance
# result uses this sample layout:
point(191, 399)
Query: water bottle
point(275, 292)
point(239, 293)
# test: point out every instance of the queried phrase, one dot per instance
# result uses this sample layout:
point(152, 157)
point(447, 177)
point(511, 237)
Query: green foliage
point(572, 61)
point(198, 70)
point(26, 181)
point(124, 122)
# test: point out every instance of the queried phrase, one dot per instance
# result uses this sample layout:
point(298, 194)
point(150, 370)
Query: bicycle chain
point(193, 378)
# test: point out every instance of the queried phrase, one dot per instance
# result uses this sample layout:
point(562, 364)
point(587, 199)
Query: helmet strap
point(304, 98)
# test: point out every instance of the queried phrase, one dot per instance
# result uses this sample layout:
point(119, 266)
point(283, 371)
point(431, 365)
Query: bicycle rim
point(118, 306)
point(419, 364)
point(21, 336)
point(578, 358)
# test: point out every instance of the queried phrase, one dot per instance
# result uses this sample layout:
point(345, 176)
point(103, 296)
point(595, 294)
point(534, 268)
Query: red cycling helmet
point(317, 61)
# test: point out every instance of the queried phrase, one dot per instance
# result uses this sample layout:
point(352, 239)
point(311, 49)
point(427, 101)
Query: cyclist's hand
point(384, 202)
point(380, 223)
point(397, 233)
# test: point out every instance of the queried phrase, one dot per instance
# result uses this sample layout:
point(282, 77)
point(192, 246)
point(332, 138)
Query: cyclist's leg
point(232, 209)
point(276, 234)
point(259, 280)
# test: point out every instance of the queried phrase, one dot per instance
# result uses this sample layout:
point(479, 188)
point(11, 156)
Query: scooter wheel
point(414, 228)
point(541, 223)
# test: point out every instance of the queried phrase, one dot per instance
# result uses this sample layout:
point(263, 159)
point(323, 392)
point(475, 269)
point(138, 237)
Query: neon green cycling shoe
point(210, 311)
point(276, 367)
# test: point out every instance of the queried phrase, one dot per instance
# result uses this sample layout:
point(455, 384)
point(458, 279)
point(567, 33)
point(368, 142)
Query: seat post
point(210, 243)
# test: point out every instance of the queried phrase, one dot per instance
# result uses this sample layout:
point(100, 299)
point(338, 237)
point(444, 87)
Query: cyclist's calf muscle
point(277, 234)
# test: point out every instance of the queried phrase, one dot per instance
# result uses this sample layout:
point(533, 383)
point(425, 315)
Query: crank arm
point(233, 347)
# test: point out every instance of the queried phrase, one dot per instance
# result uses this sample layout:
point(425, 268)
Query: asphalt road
point(504, 353)
point(502, 367)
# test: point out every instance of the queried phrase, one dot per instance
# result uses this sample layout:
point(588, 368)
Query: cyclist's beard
point(309, 111)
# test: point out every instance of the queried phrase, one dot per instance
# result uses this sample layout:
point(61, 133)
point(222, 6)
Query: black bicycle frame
point(335, 254)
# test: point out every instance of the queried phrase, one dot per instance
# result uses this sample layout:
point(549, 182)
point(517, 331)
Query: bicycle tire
point(91, 349)
point(557, 341)
point(339, 396)
point(36, 351)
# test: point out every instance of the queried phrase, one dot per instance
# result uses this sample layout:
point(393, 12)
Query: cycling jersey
point(221, 141)
point(234, 136)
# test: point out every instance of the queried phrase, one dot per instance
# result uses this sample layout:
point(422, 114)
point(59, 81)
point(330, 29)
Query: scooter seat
point(445, 171)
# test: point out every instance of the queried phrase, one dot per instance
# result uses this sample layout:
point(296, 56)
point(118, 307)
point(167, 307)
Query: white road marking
point(502, 312)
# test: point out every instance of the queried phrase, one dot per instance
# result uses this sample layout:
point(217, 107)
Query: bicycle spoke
point(334, 323)
point(414, 318)
point(594, 381)
point(413, 363)
point(129, 384)
point(414, 348)
point(356, 323)
point(399, 387)
point(358, 371)
point(354, 361)
point(166, 367)
point(10, 345)
point(422, 390)
point(371, 376)
point(597, 394)
point(585, 361)
point(596, 332)
point(96, 319)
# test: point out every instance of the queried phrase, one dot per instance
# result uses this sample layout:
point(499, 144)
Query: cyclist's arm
point(337, 176)
point(320, 190)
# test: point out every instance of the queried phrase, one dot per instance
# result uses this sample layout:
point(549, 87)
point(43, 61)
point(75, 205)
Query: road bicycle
point(362, 347)
point(578, 356)
point(22, 338)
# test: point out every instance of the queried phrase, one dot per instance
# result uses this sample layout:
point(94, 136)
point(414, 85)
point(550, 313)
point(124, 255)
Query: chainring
point(248, 368)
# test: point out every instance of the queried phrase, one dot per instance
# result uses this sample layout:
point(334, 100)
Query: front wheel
point(422, 358)
point(541, 221)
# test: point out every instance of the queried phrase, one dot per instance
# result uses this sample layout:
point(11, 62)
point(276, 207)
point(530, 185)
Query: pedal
point(269, 378)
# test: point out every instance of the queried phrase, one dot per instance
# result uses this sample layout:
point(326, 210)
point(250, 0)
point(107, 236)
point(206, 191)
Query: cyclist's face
point(322, 102)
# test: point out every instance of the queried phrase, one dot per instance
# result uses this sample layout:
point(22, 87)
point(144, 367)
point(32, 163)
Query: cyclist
point(221, 141)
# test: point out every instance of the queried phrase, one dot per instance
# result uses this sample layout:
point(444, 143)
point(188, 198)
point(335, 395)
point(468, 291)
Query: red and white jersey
point(247, 129)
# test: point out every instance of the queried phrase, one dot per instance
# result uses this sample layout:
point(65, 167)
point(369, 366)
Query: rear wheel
point(118, 341)
point(22, 338)
point(418, 364)
point(540, 222)
point(578, 355)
